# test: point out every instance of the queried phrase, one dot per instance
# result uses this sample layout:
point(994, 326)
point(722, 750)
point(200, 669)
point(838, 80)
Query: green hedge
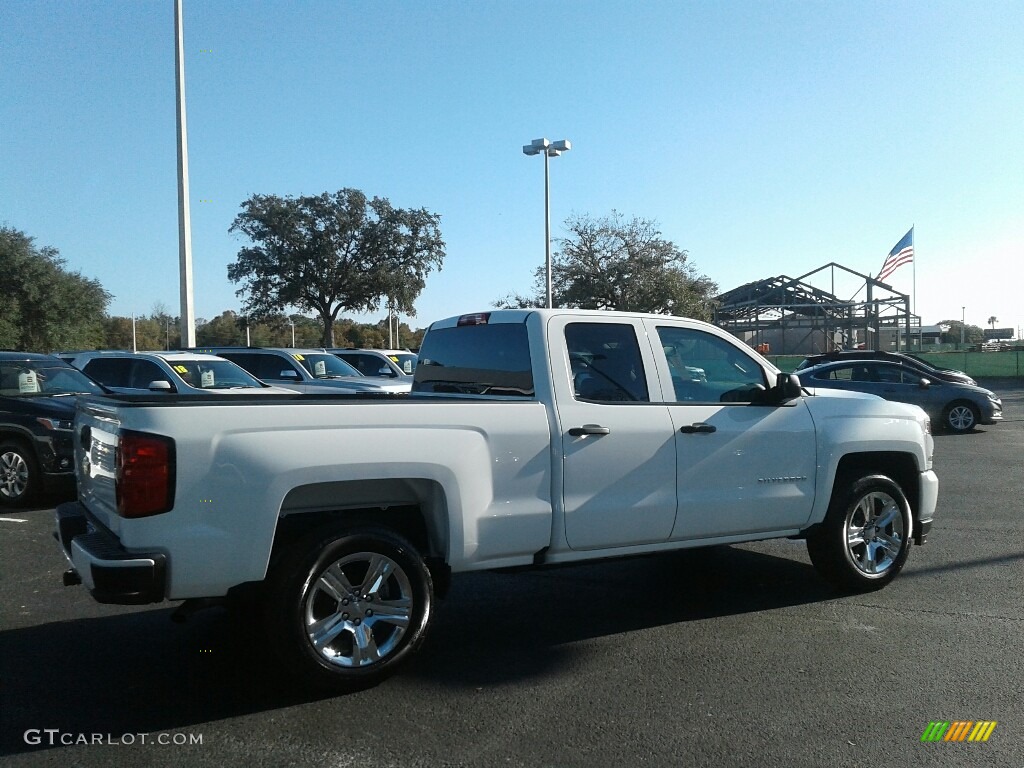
point(976, 364)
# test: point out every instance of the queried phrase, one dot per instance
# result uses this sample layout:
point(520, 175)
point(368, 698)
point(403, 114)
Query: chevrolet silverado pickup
point(531, 438)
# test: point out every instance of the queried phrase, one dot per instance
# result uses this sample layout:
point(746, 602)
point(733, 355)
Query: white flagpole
point(920, 330)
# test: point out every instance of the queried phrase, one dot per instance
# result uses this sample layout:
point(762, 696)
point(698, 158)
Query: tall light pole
point(188, 320)
point(548, 149)
point(963, 327)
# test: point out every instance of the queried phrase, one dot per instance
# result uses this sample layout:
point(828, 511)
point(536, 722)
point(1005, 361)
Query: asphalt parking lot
point(730, 656)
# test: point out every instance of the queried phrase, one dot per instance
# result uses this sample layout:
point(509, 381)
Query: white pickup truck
point(531, 437)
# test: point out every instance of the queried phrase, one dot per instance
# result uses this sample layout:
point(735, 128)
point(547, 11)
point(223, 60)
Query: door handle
point(698, 427)
point(589, 429)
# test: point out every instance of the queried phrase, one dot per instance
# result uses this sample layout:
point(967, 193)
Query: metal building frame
point(794, 317)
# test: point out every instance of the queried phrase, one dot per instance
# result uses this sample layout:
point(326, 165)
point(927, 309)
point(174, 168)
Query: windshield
point(214, 374)
point(30, 378)
point(325, 366)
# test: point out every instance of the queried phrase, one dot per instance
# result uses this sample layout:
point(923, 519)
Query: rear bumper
point(108, 570)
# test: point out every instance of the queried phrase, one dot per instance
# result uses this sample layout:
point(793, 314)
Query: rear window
point(476, 360)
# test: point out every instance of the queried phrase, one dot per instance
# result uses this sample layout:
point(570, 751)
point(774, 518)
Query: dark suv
point(923, 368)
point(37, 407)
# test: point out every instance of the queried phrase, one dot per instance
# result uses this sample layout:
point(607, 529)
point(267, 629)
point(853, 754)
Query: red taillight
point(478, 318)
point(145, 474)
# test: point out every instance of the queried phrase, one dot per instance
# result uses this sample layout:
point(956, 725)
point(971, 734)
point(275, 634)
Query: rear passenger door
point(618, 449)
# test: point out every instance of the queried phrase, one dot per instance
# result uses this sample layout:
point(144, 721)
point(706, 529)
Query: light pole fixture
point(548, 149)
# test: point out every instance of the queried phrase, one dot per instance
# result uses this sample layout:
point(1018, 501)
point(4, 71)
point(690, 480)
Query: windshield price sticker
point(27, 382)
point(320, 368)
point(206, 379)
point(298, 357)
point(181, 369)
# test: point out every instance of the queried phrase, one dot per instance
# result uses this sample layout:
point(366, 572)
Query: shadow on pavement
point(139, 672)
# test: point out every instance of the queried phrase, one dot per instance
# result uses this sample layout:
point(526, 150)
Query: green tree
point(155, 331)
point(167, 325)
point(333, 252)
point(45, 307)
point(612, 263)
point(973, 334)
point(225, 330)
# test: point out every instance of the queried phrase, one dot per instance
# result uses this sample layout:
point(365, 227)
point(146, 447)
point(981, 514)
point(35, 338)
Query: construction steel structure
point(791, 316)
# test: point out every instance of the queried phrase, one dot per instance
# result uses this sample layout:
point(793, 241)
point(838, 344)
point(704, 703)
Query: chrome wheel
point(358, 609)
point(864, 540)
point(875, 533)
point(961, 418)
point(14, 475)
point(344, 607)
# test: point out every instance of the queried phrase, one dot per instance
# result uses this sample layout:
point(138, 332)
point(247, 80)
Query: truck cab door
point(744, 464)
point(618, 449)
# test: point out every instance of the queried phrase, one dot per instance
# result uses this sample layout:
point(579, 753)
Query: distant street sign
point(998, 333)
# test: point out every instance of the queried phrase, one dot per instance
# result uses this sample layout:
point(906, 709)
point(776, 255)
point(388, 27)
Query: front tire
point(345, 608)
point(19, 474)
point(865, 538)
point(960, 417)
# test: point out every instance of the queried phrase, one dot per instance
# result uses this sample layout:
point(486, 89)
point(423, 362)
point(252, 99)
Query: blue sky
point(765, 138)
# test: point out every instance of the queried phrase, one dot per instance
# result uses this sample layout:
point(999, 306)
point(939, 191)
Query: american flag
point(901, 253)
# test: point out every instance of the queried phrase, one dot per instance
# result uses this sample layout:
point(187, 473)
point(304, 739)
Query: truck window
point(705, 368)
point(476, 360)
point(144, 373)
point(606, 363)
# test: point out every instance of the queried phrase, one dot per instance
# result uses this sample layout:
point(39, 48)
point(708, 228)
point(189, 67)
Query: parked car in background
point(37, 407)
point(958, 407)
point(388, 364)
point(184, 373)
point(303, 370)
point(913, 362)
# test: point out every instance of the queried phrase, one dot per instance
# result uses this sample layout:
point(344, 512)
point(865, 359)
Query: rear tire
point(865, 538)
point(345, 607)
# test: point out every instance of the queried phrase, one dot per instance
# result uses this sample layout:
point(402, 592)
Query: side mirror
point(788, 386)
point(160, 386)
point(924, 383)
point(289, 374)
point(385, 371)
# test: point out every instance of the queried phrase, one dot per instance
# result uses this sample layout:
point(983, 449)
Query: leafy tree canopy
point(972, 334)
point(619, 264)
point(333, 252)
point(44, 306)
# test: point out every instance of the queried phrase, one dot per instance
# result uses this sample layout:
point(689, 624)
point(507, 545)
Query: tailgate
point(96, 428)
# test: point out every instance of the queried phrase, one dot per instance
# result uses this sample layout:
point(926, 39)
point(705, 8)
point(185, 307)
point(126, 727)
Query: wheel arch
point(415, 508)
point(900, 467)
point(19, 434)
